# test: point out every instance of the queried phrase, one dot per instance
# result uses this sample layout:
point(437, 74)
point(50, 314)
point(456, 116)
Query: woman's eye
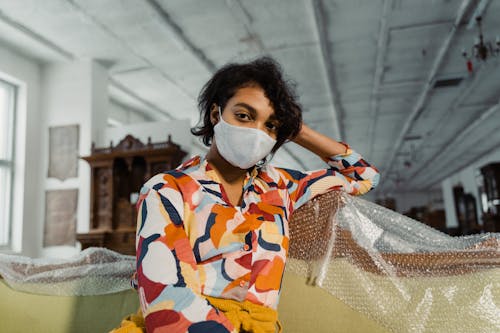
point(272, 127)
point(242, 116)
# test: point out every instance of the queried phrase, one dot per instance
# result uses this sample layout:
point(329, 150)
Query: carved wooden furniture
point(491, 179)
point(465, 208)
point(117, 174)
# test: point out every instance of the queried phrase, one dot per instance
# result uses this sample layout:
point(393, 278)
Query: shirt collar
point(210, 172)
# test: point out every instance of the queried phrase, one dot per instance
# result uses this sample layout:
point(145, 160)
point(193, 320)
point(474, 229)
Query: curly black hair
point(263, 72)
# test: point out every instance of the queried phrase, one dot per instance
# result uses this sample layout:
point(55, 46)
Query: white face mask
point(243, 147)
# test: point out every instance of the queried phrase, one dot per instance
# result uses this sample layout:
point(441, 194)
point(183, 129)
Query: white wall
point(467, 178)
point(449, 206)
point(57, 95)
point(28, 193)
point(75, 93)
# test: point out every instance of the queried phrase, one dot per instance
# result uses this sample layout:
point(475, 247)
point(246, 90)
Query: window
point(7, 121)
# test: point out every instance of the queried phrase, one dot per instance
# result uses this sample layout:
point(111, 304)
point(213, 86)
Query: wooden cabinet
point(117, 174)
point(466, 211)
point(491, 186)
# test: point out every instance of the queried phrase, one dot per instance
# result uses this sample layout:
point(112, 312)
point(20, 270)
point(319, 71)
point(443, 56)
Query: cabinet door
point(103, 198)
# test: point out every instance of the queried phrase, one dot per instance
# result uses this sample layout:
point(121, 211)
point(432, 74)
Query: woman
point(212, 235)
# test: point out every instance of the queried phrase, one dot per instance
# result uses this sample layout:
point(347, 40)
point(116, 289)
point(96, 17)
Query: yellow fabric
point(247, 316)
point(132, 324)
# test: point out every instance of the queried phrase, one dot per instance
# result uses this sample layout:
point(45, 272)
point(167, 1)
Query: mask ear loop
point(220, 112)
point(263, 162)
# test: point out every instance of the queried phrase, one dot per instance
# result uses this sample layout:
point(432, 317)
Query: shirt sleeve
point(348, 172)
point(167, 275)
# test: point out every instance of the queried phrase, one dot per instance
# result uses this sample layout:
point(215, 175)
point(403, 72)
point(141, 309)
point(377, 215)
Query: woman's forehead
point(252, 99)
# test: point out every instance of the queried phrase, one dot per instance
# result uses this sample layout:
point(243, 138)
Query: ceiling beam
point(419, 106)
point(114, 123)
point(69, 57)
point(158, 111)
point(462, 95)
point(424, 25)
point(92, 19)
point(383, 38)
point(457, 167)
point(36, 37)
point(128, 107)
point(321, 23)
point(457, 141)
point(242, 15)
point(180, 38)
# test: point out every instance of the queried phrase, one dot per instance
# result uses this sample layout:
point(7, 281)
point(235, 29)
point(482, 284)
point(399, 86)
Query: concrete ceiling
point(365, 69)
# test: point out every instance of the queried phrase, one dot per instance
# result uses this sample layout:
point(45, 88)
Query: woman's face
point(249, 107)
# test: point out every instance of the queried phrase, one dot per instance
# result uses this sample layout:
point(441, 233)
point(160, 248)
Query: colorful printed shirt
point(191, 241)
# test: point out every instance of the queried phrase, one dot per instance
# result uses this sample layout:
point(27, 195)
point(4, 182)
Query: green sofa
point(302, 309)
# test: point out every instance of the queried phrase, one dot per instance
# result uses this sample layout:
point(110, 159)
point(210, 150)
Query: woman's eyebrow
point(253, 111)
point(250, 108)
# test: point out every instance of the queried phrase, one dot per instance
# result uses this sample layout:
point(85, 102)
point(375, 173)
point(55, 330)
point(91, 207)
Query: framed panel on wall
point(63, 152)
point(60, 217)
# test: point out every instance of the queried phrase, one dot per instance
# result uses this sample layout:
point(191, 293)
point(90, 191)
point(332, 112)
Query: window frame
point(9, 162)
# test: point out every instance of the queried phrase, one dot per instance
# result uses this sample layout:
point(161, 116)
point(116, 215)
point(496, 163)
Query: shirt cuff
point(339, 157)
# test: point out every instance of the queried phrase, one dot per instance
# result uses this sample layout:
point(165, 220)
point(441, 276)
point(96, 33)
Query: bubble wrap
point(94, 271)
point(401, 273)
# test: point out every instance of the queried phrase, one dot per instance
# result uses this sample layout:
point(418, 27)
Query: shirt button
point(246, 247)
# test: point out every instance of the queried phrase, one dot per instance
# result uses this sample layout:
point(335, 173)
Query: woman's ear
point(214, 114)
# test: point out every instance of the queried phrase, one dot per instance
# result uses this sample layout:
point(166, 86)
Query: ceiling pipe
point(321, 21)
point(419, 106)
point(478, 12)
point(453, 143)
point(383, 38)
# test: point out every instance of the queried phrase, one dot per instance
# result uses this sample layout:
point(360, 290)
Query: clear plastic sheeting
point(401, 273)
point(94, 271)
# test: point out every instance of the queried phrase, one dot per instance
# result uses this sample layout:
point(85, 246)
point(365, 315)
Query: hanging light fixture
point(481, 50)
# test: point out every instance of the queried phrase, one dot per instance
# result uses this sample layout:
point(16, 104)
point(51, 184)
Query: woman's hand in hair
point(318, 143)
